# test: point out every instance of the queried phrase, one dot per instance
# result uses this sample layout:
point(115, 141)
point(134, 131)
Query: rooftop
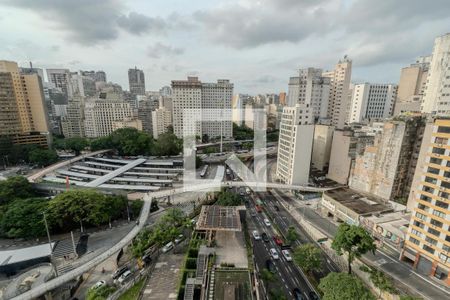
point(360, 203)
point(220, 218)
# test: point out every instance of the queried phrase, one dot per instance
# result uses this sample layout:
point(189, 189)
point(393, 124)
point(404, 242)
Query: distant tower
point(136, 80)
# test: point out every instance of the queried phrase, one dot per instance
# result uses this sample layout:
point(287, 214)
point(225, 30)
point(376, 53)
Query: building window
point(436, 223)
point(428, 189)
point(428, 249)
point(441, 204)
point(418, 224)
point(440, 140)
point(433, 231)
point(445, 184)
point(438, 150)
point(439, 214)
point(430, 180)
point(433, 170)
point(431, 241)
point(414, 241)
point(443, 129)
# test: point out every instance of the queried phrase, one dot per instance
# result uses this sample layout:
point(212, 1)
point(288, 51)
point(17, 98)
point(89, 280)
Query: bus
point(204, 170)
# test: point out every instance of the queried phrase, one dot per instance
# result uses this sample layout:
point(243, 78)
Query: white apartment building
point(101, 113)
point(436, 97)
point(217, 96)
point(295, 144)
point(73, 122)
point(372, 101)
point(192, 94)
point(338, 103)
point(310, 87)
point(161, 118)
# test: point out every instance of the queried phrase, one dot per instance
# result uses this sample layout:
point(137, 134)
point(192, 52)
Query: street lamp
point(48, 234)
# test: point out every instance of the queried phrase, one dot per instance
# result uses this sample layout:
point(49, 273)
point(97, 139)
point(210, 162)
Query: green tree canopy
point(76, 144)
point(291, 234)
point(167, 144)
point(100, 293)
point(339, 286)
point(308, 257)
point(15, 187)
point(227, 198)
point(242, 132)
point(130, 141)
point(354, 241)
point(380, 280)
point(101, 143)
point(42, 157)
point(23, 218)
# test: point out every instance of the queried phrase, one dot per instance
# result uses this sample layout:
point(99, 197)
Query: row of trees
point(127, 142)
point(227, 198)
point(11, 154)
point(166, 229)
point(22, 212)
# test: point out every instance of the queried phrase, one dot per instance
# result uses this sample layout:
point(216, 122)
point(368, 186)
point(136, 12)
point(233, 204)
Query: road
point(288, 275)
point(387, 261)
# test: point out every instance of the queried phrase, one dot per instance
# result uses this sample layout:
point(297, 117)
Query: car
point(146, 259)
point(256, 235)
point(265, 237)
point(278, 240)
point(276, 208)
point(270, 266)
point(258, 208)
point(124, 276)
point(167, 247)
point(297, 294)
point(119, 272)
point(267, 222)
point(286, 255)
point(179, 239)
point(274, 253)
point(99, 284)
point(313, 295)
point(253, 213)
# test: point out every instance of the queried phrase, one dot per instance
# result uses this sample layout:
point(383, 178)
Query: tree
point(130, 141)
point(167, 144)
point(353, 240)
point(76, 144)
point(277, 294)
point(43, 157)
point(408, 297)
point(100, 293)
point(101, 143)
point(268, 277)
point(379, 279)
point(308, 257)
point(291, 234)
point(338, 286)
point(23, 218)
point(227, 198)
point(15, 187)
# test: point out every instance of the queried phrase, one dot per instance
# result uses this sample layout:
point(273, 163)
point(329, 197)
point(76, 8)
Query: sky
point(258, 45)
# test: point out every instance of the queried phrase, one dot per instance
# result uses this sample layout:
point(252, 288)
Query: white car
point(267, 222)
point(167, 247)
point(124, 276)
point(179, 239)
point(287, 255)
point(256, 235)
point(99, 284)
point(274, 253)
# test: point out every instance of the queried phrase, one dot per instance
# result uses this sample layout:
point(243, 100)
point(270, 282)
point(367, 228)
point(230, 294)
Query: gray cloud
point(159, 50)
point(136, 23)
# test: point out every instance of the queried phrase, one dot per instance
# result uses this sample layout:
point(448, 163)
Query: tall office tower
point(166, 102)
point(136, 80)
point(310, 87)
point(186, 94)
point(372, 101)
point(161, 119)
point(427, 242)
point(295, 144)
point(22, 103)
point(386, 168)
point(411, 87)
point(238, 103)
point(165, 91)
point(59, 78)
point(436, 98)
point(73, 121)
point(145, 114)
point(100, 113)
point(96, 76)
point(323, 137)
point(217, 96)
point(339, 92)
point(282, 98)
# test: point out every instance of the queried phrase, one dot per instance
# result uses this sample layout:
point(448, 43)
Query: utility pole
point(73, 244)
point(48, 234)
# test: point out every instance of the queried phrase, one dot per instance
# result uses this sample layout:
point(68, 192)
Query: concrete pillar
point(416, 260)
point(447, 281)
point(433, 268)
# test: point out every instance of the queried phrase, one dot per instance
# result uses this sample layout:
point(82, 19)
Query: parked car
point(278, 240)
point(270, 266)
point(256, 235)
point(265, 237)
point(274, 253)
point(286, 255)
point(146, 259)
point(276, 208)
point(167, 247)
point(297, 294)
point(99, 284)
point(253, 213)
point(267, 222)
point(125, 276)
point(119, 272)
point(179, 239)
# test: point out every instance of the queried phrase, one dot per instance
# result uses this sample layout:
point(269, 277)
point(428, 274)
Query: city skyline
point(255, 44)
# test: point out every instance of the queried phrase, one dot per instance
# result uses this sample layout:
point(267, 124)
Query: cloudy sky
point(256, 44)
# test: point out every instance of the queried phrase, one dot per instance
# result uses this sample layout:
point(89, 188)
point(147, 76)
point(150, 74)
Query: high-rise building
point(127, 123)
point(282, 98)
point(436, 98)
point(96, 76)
point(217, 96)
point(72, 122)
point(165, 91)
point(22, 103)
point(204, 98)
point(295, 144)
point(323, 137)
point(145, 114)
point(386, 168)
point(136, 79)
point(338, 102)
point(59, 78)
point(162, 119)
point(412, 86)
point(100, 113)
point(372, 101)
point(427, 242)
point(237, 105)
point(311, 88)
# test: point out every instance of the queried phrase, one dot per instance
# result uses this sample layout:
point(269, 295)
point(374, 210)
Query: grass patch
point(133, 292)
